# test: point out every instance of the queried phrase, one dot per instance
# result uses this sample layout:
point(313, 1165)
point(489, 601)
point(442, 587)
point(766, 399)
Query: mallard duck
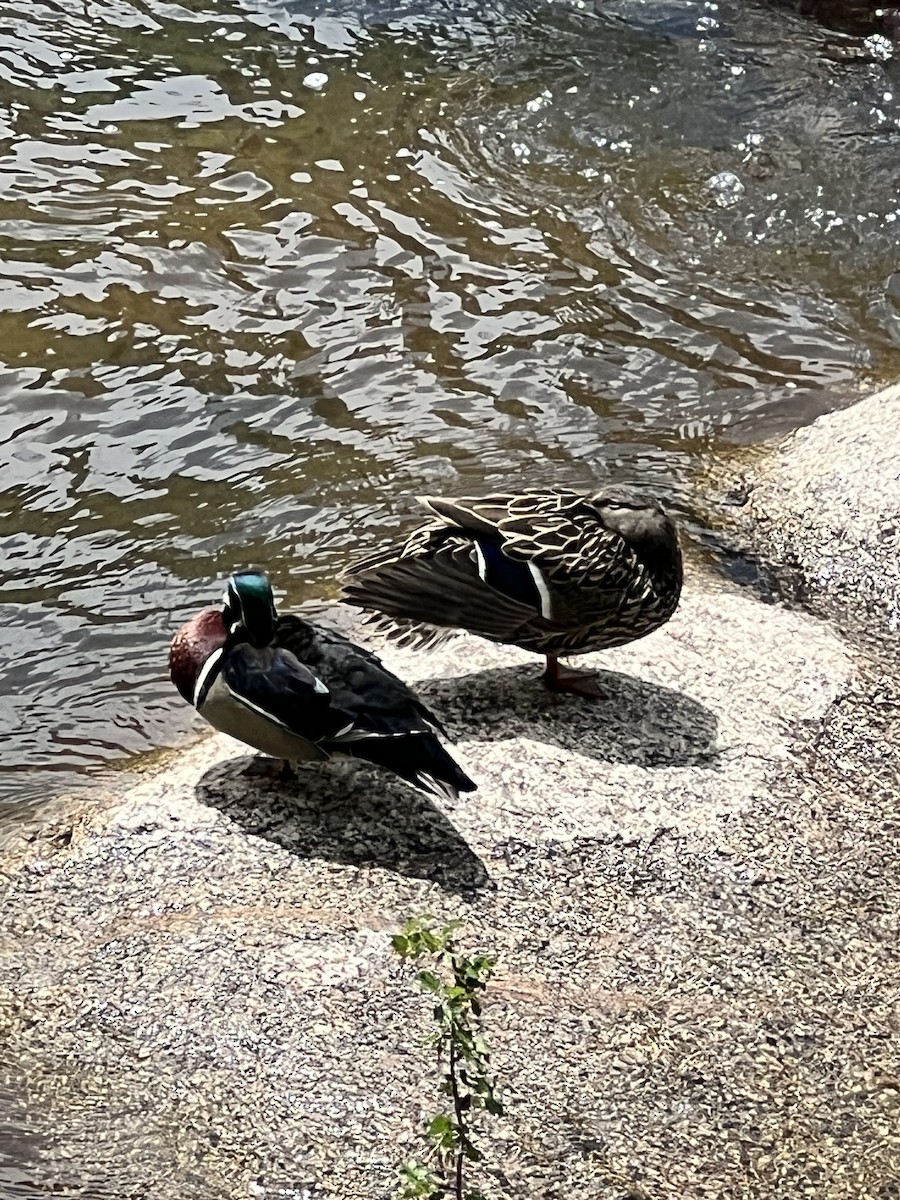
point(299, 692)
point(553, 571)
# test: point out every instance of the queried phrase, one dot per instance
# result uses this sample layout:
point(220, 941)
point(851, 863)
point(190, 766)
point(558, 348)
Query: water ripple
point(268, 272)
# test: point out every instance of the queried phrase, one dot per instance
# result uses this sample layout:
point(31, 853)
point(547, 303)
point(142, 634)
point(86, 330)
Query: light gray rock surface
point(691, 889)
point(694, 917)
point(824, 514)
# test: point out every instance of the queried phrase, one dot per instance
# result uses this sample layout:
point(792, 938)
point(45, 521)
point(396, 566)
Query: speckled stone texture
point(823, 514)
point(690, 887)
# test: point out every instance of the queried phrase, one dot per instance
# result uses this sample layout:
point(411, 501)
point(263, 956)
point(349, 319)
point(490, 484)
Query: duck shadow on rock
point(636, 722)
point(344, 812)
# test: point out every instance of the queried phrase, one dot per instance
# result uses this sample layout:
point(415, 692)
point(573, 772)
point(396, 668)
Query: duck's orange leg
point(568, 679)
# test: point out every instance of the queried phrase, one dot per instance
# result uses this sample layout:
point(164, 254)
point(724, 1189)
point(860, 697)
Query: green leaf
point(440, 1125)
point(419, 1183)
point(443, 1133)
point(429, 981)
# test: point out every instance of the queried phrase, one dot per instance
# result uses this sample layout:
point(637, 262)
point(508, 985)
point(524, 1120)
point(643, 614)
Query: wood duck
point(300, 692)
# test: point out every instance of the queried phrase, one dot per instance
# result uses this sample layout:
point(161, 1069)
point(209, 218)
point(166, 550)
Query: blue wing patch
point(513, 579)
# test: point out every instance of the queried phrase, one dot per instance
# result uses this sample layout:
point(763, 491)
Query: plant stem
point(455, 981)
point(460, 1119)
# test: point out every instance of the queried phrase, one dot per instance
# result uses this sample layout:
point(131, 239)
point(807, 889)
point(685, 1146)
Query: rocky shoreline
point(690, 888)
point(823, 514)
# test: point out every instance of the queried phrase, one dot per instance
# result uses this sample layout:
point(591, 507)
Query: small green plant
point(456, 981)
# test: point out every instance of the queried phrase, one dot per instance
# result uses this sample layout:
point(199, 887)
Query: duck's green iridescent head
point(250, 607)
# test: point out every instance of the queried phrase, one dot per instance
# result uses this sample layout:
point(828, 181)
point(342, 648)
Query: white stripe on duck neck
point(208, 667)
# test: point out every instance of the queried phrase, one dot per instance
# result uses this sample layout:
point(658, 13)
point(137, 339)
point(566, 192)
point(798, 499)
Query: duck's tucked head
point(640, 520)
point(250, 607)
point(193, 646)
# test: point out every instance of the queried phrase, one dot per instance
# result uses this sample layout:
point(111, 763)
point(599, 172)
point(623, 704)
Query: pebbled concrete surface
point(691, 889)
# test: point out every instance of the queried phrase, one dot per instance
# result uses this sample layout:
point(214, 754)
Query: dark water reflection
point(268, 271)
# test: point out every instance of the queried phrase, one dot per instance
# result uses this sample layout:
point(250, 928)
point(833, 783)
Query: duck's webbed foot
point(569, 679)
point(287, 774)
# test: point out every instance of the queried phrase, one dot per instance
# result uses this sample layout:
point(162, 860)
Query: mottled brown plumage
point(552, 571)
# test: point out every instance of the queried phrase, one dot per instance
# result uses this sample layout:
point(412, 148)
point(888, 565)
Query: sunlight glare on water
point(270, 270)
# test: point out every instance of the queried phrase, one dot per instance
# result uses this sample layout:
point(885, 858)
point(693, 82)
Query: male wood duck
point(552, 571)
point(297, 691)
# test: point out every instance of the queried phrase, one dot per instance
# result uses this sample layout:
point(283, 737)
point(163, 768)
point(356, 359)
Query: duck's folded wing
point(450, 583)
point(491, 515)
point(277, 686)
point(586, 567)
point(273, 683)
point(475, 514)
point(325, 650)
point(548, 550)
point(564, 533)
point(359, 682)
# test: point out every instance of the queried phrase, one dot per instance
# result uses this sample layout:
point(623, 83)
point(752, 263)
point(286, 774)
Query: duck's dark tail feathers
point(408, 635)
point(444, 590)
point(420, 759)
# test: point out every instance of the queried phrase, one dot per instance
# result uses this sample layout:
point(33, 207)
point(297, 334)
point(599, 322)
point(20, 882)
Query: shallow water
point(271, 270)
